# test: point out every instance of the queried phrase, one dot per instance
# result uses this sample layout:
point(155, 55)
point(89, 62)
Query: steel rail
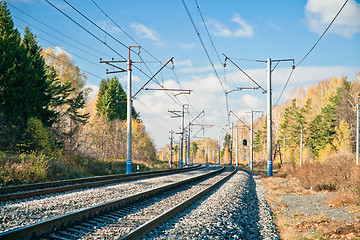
point(42, 228)
point(150, 225)
point(22, 191)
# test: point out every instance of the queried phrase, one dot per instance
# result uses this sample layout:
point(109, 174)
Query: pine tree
point(12, 64)
point(112, 100)
point(29, 89)
point(36, 81)
point(293, 122)
point(322, 128)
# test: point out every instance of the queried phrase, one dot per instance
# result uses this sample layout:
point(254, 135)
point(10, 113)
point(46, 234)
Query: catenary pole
point(219, 151)
point(264, 150)
point(252, 141)
point(301, 147)
point(231, 142)
point(284, 148)
point(269, 120)
point(171, 147)
point(129, 115)
point(357, 131)
point(179, 149)
point(182, 137)
point(189, 145)
point(237, 146)
point(206, 154)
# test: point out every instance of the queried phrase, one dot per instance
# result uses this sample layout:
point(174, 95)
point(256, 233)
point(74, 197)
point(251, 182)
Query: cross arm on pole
point(197, 132)
point(239, 119)
point(203, 125)
point(111, 63)
point(182, 91)
point(190, 123)
point(242, 88)
point(227, 58)
point(175, 113)
point(171, 60)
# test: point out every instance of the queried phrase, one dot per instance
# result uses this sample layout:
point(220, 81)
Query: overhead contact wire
point(37, 20)
point(92, 22)
point(307, 54)
point(323, 33)
point(85, 29)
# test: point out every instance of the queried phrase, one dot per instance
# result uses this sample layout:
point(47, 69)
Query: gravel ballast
point(151, 208)
point(20, 213)
point(314, 205)
point(236, 210)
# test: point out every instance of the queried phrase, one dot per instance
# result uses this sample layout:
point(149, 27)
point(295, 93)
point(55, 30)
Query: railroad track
point(129, 217)
point(32, 190)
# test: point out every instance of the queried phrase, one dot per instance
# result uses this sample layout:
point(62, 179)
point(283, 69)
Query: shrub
point(37, 137)
point(337, 172)
point(23, 168)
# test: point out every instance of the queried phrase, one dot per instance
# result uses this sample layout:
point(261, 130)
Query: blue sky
point(256, 29)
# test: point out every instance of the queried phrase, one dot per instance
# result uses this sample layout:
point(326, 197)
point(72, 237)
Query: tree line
point(44, 103)
point(325, 116)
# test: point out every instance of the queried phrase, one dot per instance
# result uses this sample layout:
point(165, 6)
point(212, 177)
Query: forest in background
point(49, 129)
point(325, 114)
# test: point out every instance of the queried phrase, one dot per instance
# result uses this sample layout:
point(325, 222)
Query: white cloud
point(302, 76)
point(93, 92)
point(59, 50)
point(205, 69)
point(145, 32)
point(319, 13)
point(134, 78)
point(187, 46)
point(251, 101)
point(208, 95)
point(222, 30)
point(183, 63)
point(307, 76)
point(108, 27)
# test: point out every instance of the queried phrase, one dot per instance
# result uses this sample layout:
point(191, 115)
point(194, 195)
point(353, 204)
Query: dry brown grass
point(339, 173)
point(287, 228)
point(278, 185)
point(344, 197)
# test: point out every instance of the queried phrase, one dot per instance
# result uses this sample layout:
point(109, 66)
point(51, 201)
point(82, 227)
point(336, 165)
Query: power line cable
point(55, 37)
point(70, 64)
point(161, 118)
point(176, 101)
point(212, 43)
point(206, 52)
point(63, 49)
point(323, 33)
point(292, 70)
point(37, 20)
point(217, 54)
point(92, 22)
point(124, 30)
point(202, 43)
point(85, 29)
point(311, 50)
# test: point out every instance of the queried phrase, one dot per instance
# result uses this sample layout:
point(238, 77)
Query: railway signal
point(269, 103)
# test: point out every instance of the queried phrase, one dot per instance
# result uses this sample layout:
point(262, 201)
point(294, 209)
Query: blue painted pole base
point(269, 168)
point(128, 167)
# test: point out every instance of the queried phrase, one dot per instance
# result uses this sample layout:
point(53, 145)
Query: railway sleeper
point(88, 214)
